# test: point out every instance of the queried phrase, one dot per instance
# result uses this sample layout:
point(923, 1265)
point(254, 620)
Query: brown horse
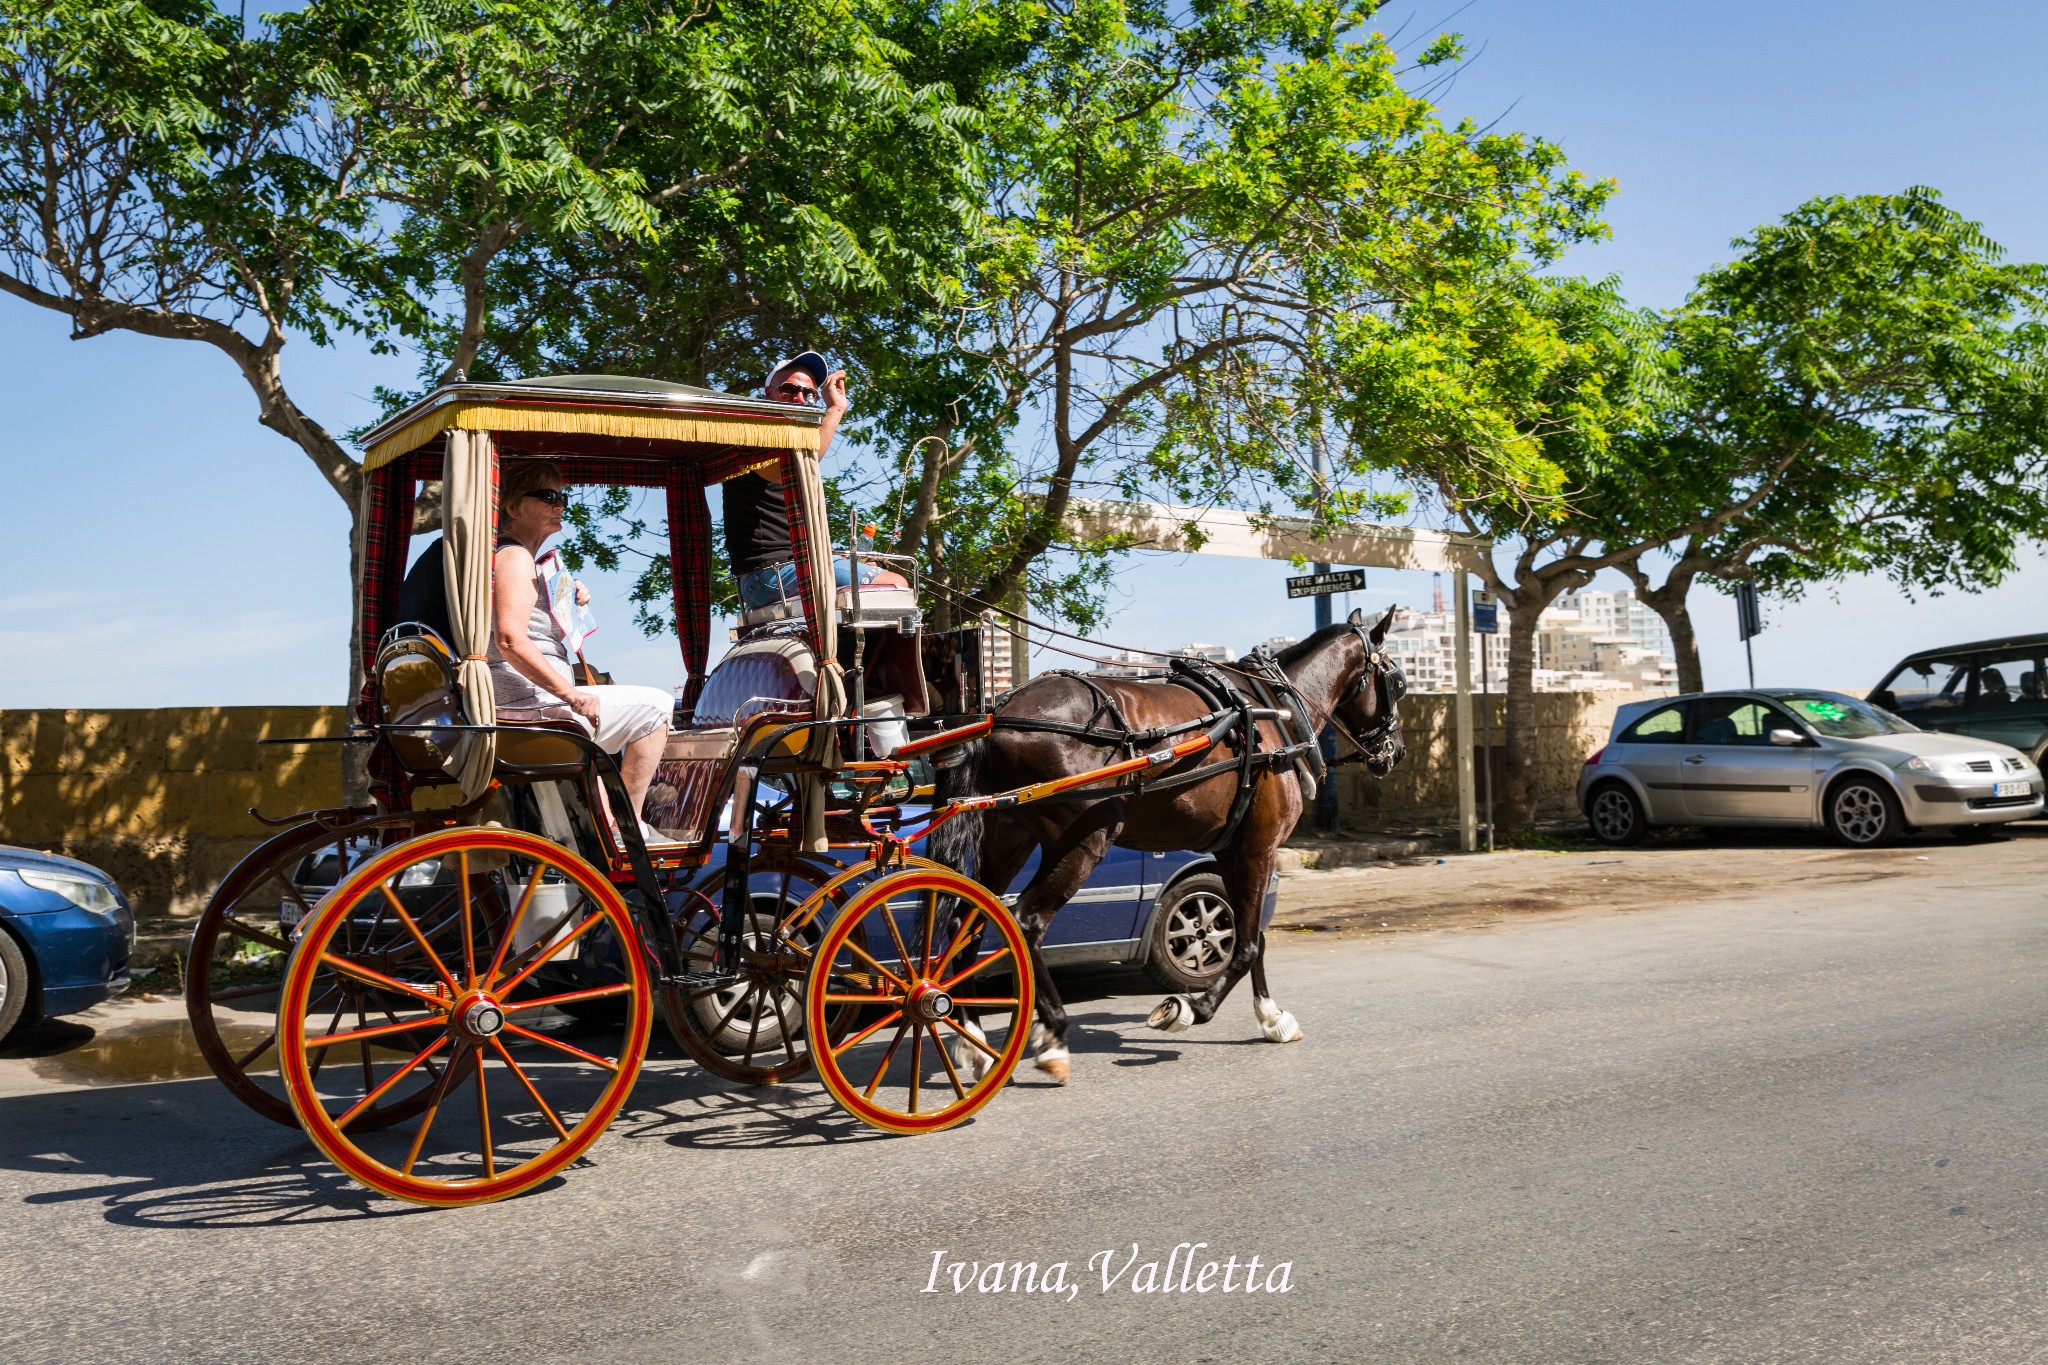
point(1340, 674)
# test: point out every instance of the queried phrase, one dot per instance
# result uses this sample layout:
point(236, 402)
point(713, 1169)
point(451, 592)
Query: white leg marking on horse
point(1172, 1015)
point(1053, 1062)
point(970, 1061)
point(1277, 1024)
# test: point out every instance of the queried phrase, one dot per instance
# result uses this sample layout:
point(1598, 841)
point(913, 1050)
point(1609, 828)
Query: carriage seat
point(771, 673)
point(415, 678)
point(886, 601)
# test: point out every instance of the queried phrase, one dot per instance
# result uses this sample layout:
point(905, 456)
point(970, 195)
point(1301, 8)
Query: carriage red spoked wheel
point(235, 966)
point(521, 1086)
point(752, 1031)
point(939, 970)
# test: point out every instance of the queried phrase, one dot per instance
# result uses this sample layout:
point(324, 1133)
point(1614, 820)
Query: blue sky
point(164, 549)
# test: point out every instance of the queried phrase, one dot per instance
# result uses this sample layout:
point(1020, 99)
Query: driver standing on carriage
point(529, 653)
point(757, 538)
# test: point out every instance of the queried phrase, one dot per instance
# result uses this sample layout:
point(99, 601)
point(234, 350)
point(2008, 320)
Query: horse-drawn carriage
point(466, 1010)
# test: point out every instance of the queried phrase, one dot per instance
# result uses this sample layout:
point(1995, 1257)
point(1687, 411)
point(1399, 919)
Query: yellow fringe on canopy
point(581, 420)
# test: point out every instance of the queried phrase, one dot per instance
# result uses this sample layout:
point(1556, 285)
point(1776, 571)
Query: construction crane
point(1436, 593)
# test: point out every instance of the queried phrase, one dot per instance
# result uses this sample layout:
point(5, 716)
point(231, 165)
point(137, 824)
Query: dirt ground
point(1474, 891)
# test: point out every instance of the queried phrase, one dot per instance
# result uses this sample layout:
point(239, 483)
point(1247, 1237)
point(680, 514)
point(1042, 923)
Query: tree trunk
point(1517, 800)
point(1669, 602)
point(355, 758)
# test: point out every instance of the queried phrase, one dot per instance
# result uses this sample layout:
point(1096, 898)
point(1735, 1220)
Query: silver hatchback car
point(1800, 759)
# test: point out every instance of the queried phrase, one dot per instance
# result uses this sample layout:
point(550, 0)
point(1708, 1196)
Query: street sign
point(1749, 616)
point(1485, 613)
point(1323, 584)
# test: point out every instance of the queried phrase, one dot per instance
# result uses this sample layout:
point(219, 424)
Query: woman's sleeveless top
point(509, 686)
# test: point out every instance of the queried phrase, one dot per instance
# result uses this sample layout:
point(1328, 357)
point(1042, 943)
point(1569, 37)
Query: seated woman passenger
point(757, 539)
point(529, 655)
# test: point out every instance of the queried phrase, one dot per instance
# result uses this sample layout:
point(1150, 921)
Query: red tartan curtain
point(689, 572)
point(387, 536)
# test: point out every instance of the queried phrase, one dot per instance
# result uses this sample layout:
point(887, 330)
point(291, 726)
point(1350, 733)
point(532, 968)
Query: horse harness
point(1260, 690)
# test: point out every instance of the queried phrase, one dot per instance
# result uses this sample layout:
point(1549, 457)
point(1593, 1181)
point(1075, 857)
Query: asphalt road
point(1739, 1118)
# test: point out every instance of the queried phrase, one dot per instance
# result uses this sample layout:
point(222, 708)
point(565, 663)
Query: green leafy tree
point(1199, 223)
point(1885, 343)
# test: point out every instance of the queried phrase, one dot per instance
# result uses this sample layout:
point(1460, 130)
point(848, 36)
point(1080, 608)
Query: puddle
point(133, 1056)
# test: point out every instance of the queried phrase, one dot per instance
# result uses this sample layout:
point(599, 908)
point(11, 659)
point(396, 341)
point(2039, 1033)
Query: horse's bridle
point(1376, 744)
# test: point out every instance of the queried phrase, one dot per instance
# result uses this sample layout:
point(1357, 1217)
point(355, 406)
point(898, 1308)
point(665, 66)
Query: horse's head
point(1370, 708)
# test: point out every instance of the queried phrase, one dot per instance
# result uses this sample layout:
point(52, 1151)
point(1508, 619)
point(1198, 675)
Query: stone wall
point(1424, 788)
point(160, 798)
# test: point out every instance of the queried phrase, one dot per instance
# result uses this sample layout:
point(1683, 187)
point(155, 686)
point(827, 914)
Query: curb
point(1324, 857)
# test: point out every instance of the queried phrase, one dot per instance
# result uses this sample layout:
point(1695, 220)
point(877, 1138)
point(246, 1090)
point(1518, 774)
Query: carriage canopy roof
point(605, 415)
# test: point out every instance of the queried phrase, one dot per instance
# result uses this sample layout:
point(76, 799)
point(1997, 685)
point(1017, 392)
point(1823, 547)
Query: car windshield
point(1841, 717)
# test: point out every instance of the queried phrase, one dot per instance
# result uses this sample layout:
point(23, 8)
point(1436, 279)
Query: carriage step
point(692, 982)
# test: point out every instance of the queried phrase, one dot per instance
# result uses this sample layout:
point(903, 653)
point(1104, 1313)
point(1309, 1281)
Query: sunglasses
point(553, 497)
point(804, 392)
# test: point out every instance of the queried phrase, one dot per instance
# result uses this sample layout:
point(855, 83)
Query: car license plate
point(2013, 789)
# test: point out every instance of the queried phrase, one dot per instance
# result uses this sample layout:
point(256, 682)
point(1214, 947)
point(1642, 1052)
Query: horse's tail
point(957, 843)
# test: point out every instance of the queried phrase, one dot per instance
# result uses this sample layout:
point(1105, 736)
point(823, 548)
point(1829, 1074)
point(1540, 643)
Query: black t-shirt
point(756, 524)
point(424, 598)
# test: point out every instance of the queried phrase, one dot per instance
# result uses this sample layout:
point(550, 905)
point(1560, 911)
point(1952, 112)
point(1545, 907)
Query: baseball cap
point(810, 362)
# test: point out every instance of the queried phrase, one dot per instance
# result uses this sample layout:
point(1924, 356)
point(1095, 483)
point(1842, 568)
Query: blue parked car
point(65, 935)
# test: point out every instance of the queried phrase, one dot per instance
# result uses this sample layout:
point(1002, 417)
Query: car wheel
point(1863, 813)
point(1616, 817)
point(1194, 931)
point(15, 985)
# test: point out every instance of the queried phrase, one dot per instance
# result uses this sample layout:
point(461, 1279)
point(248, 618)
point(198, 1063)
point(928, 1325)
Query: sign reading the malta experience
point(1323, 584)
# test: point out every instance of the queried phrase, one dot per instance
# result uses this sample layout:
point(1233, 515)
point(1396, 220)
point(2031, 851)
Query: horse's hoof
point(1172, 1015)
point(1053, 1064)
point(1277, 1024)
point(970, 1061)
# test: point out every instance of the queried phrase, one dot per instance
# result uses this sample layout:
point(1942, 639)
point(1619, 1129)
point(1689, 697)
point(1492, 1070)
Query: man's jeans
point(778, 581)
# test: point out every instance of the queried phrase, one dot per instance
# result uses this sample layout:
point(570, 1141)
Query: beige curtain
point(830, 699)
point(469, 512)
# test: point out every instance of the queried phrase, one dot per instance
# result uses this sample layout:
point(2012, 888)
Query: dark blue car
point(65, 935)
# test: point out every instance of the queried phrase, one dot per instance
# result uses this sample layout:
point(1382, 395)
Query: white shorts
point(625, 714)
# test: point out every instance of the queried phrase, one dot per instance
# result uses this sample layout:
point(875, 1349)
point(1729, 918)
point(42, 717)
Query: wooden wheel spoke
point(902, 950)
point(332, 1025)
point(931, 928)
point(862, 953)
point(883, 1069)
point(590, 921)
point(531, 1090)
point(356, 1110)
point(759, 995)
point(971, 968)
point(916, 1065)
point(870, 1031)
point(290, 890)
point(993, 1054)
point(254, 934)
point(988, 1001)
point(378, 979)
point(269, 1041)
point(959, 938)
point(594, 993)
point(560, 1046)
point(469, 955)
point(837, 999)
point(419, 938)
point(512, 924)
point(357, 1035)
point(947, 1058)
point(419, 1138)
point(483, 1109)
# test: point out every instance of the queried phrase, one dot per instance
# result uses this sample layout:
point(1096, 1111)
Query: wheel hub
point(929, 1004)
point(481, 1018)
